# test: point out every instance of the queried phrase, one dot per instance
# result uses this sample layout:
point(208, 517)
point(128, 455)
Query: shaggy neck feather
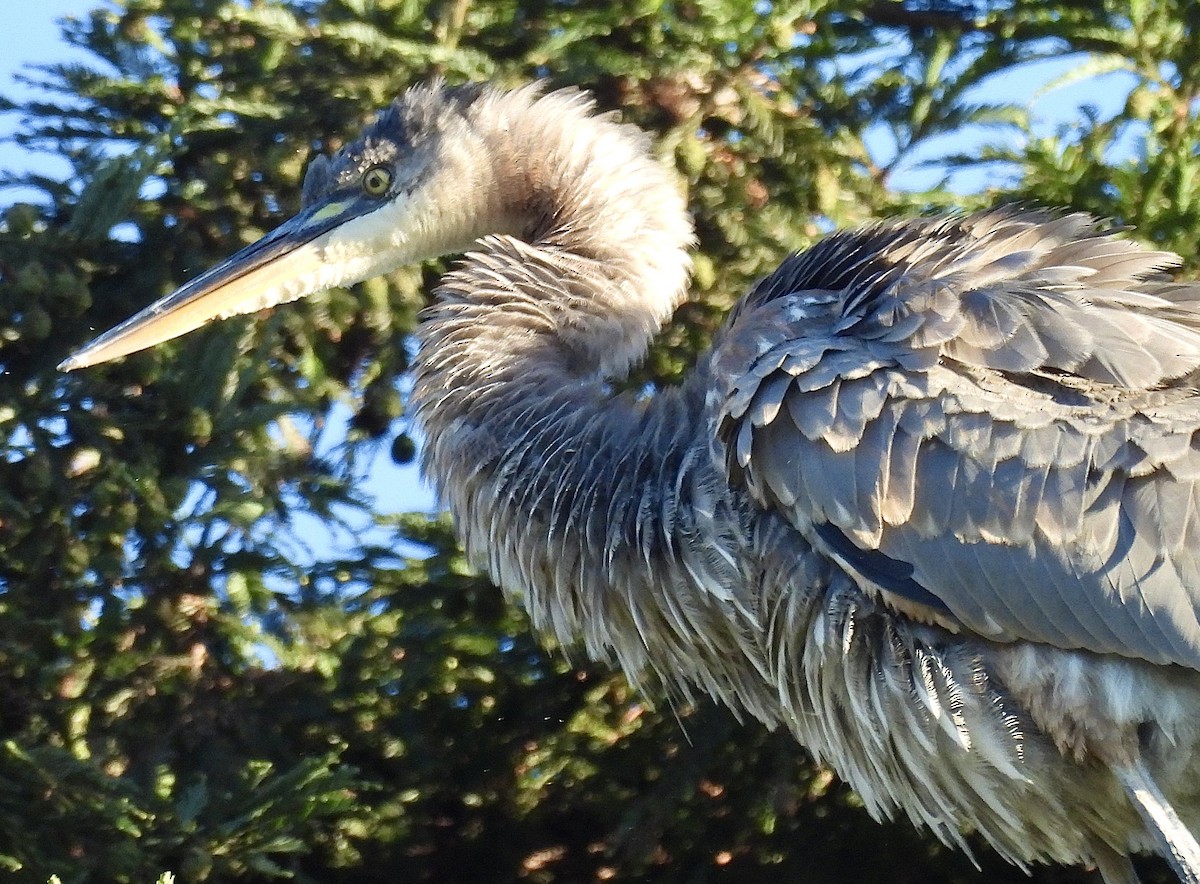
point(566, 494)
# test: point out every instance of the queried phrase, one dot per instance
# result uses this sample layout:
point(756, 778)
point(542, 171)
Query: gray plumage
point(930, 503)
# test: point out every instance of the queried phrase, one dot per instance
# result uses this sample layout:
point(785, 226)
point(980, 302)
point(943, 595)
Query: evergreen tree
point(189, 683)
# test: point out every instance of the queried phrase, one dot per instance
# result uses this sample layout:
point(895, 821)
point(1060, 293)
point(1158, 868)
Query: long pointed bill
point(288, 263)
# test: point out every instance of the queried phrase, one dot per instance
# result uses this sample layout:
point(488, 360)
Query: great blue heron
point(931, 502)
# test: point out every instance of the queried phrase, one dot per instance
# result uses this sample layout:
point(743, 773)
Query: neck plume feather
point(597, 511)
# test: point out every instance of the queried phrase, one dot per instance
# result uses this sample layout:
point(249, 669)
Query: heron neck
point(601, 512)
point(526, 334)
point(518, 351)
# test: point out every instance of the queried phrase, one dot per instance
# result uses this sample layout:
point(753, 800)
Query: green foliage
point(189, 681)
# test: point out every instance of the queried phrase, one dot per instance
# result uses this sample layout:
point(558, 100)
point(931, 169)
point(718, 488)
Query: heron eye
point(376, 181)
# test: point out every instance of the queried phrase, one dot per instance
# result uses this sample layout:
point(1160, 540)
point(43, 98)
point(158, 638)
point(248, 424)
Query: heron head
point(404, 191)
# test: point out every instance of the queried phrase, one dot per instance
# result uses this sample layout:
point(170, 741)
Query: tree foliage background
point(189, 683)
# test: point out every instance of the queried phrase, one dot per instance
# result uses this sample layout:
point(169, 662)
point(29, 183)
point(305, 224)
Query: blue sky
point(31, 35)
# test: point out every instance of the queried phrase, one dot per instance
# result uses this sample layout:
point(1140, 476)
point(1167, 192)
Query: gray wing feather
point(1004, 402)
point(1176, 843)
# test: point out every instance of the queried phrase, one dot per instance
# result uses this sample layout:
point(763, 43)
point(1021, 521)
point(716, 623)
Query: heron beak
point(288, 263)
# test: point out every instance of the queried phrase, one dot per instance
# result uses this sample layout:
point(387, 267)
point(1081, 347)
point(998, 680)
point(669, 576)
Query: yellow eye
point(376, 181)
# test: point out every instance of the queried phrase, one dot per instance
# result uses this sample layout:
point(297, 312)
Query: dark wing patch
point(891, 574)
